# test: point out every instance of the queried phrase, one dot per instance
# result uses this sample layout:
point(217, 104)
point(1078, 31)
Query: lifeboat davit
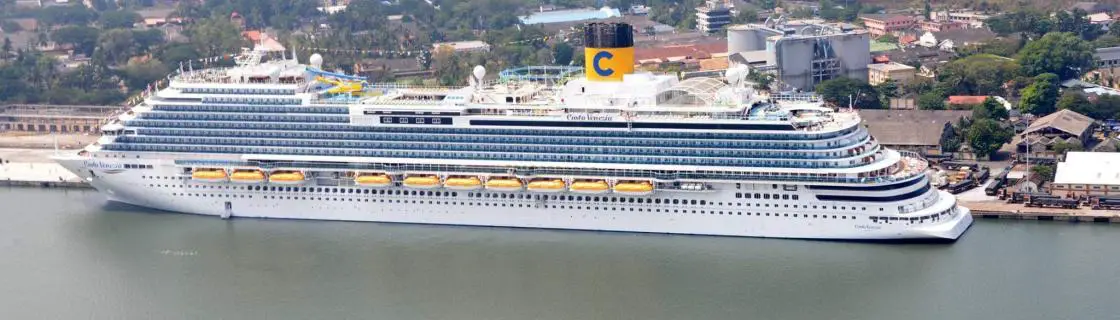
point(373, 180)
point(633, 187)
point(463, 183)
point(590, 186)
point(286, 177)
point(503, 184)
point(247, 176)
point(209, 175)
point(421, 181)
point(547, 185)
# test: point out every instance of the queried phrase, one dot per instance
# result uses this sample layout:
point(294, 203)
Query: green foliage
point(9, 26)
point(34, 78)
point(217, 36)
point(1063, 54)
point(986, 136)
point(1062, 147)
point(762, 80)
point(1035, 24)
point(746, 15)
point(562, 53)
point(1106, 41)
point(1076, 22)
point(84, 39)
point(139, 75)
point(257, 14)
point(950, 140)
point(932, 100)
point(118, 19)
point(1044, 171)
point(1041, 96)
point(1073, 100)
point(829, 10)
point(1102, 108)
point(999, 47)
point(837, 92)
point(990, 109)
point(116, 46)
point(981, 74)
point(75, 14)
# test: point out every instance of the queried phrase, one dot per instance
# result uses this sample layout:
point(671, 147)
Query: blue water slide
point(336, 75)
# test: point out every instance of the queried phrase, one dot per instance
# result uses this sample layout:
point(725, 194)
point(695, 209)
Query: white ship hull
point(722, 213)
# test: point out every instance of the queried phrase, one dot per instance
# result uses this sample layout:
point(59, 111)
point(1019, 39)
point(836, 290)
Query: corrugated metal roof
point(570, 15)
point(1089, 168)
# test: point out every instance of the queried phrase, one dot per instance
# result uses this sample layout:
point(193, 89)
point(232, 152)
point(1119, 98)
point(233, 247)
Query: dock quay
point(1002, 210)
point(33, 168)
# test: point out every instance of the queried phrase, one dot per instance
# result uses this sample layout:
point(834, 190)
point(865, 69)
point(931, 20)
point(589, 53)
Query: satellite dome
point(479, 72)
point(316, 60)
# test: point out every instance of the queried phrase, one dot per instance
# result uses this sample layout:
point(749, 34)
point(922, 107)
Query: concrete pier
point(33, 168)
point(1002, 210)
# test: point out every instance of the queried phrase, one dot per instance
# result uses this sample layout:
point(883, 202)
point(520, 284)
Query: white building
point(1088, 173)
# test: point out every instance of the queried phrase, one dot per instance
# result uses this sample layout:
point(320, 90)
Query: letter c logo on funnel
point(598, 69)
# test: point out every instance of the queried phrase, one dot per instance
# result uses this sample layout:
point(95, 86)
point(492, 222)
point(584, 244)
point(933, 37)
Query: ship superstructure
point(608, 150)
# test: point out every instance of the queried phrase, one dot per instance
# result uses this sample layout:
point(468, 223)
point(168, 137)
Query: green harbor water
point(68, 254)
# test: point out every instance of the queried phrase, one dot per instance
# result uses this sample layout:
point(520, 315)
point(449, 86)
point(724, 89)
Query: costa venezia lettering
point(591, 117)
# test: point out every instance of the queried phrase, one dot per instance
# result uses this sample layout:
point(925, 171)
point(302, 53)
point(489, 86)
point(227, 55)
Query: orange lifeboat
point(590, 186)
point(547, 185)
point(247, 176)
point(421, 181)
point(463, 183)
point(209, 175)
point(373, 180)
point(633, 187)
point(503, 184)
point(286, 177)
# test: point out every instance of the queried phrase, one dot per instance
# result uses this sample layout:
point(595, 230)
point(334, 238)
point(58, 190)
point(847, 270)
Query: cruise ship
point(598, 148)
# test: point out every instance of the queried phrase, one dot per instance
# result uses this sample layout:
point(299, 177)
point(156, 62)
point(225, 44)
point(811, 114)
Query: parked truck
point(1104, 203)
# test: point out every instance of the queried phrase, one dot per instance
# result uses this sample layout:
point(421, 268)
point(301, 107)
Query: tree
point(838, 91)
point(1077, 22)
point(84, 39)
point(562, 54)
point(1044, 171)
point(1073, 100)
point(980, 74)
point(139, 74)
point(1062, 147)
point(1063, 54)
point(117, 46)
point(986, 136)
point(66, 15)
point(1040, 97)
point(762, 80)
point(990, 109)
point(746, 15)
point(118, 19)
point(931, 100)
point(1102, 108)
point(216, 36)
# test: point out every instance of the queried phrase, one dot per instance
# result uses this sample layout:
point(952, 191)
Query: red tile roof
point(252, 35)
point(967, 100)
point(694, 51)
